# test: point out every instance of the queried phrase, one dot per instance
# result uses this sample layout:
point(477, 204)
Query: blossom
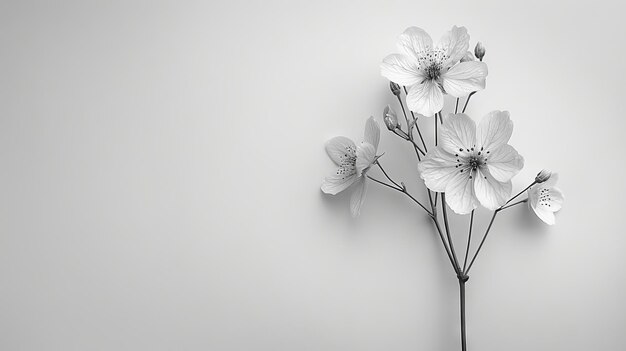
point(472, 165)
point(545, 199)
point(543, 176)
point(354, 162)
point(390, 118)
point(430, 71)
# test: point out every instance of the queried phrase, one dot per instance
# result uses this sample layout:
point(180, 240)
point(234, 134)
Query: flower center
point(474, 162)
point(433, 72)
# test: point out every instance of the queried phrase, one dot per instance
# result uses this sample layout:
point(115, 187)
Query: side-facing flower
point(430, 71)
point(354, 162)
point(471, 165)
point(545, 199)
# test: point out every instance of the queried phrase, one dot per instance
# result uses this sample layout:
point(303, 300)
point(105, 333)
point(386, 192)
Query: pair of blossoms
point(472, 164)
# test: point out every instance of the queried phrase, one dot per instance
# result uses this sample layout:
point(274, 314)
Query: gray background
point(160, 165)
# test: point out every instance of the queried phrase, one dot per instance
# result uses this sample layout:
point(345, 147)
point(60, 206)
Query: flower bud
point(543, 176)
point(479, 51)
point(395, 88)
point(390, 118)
point(467, 57)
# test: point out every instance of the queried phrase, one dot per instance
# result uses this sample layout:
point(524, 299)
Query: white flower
point(430, 71)
point(473, 166)
point(353, 161)
point(545, 199)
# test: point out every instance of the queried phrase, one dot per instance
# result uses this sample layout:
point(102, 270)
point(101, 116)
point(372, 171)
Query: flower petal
point(401, 69)
point(365, 156)
point(494, 130)
point(358, 196)
point(339, 148)
point(460, 194)
point(437, 169)
point(504, 163)
point(556, 199)
point(455, 43)
point(464, 78)
point(458, 134)
point(415, 42)
point(337, 183)
point(490, 192)
point(546, 216)
point(425, 98)
point(372, 133)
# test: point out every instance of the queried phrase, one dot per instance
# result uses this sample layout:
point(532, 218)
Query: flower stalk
point(467, 165)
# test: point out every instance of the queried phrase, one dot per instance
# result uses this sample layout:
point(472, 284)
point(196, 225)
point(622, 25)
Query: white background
point(160, 166)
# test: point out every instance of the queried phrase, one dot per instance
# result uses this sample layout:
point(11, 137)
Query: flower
point(395, 88)
point(479, 51)
point(430, 71)
point(390, 118)
point(545, 199)
point(542, 176)
point(471, 165)
point(354, 162)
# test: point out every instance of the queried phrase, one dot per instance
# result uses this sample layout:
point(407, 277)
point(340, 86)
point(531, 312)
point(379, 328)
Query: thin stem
point(410, 130)
point(445, 245)
point(469, 240)
point(404, 112)
point(520, 193)
point(466, 101)
point(386, 175)
point(402, 190)
point(416, 126)
point(462, 298)
point(445, 222)
point(482, 241)
point(456, 107)
point(513, 204)
point(436, 129)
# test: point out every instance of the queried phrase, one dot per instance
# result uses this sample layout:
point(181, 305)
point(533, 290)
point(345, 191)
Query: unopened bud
point(467, 57)
point(479, 51)
point(395, 88)
point(390, 118)
point(543, 176)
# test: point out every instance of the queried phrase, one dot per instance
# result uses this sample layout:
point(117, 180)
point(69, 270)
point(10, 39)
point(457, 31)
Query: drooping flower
point(470, 165)
point(430, 71)
point(545, 199)
point(354, 162)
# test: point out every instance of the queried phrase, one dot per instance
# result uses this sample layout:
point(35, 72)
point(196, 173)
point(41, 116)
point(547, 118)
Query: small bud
point(395, 88)
point(468, 57)
point(390, 118)
point(543, 176)
point(479, 51)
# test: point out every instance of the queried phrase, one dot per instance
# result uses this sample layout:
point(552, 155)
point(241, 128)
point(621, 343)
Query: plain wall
point(160, 165)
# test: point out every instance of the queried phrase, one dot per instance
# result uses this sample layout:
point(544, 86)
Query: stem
point(456, 107)
point(436, 129)
point(445, 221)
point(402, 190)
point(387, 176)
point(495, 213)
point(466, 101)
point(445, 245)
point(414, 119)
point(462, 281)
point(469, 240)
point(513, 204)
point(518, 194)
point(410, 131)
